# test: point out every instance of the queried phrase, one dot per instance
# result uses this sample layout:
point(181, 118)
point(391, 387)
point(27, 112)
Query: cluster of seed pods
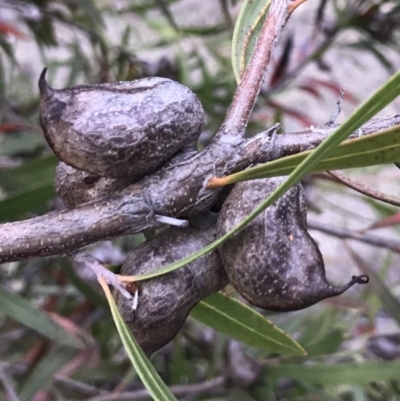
point(108, 136)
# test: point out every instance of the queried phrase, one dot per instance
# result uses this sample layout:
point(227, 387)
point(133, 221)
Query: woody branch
point(179, 189)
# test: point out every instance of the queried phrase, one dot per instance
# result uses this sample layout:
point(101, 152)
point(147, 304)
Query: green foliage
point(237, 320)
point(247, 29)
point(21, 310)
point(342, 373)
point(149, 376)
point(95, 41)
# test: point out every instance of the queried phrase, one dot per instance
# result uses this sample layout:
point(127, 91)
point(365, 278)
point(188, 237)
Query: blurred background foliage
point(353, 343)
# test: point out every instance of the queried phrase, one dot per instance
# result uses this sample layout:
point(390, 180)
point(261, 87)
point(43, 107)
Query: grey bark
point(178, 190)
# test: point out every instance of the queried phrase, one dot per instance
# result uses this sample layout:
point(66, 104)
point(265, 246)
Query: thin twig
point(180, 390)
point(344, 233)
point(388, 221)
point(392, 200)
point(7, 384)
point(175, 191)
point(294, 4)
point(76, 385)
point(332, 119)
point(89, 261)
point(242, 105)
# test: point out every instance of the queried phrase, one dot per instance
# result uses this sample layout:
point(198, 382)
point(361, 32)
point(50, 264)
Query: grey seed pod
point(273, 262)
point(165, 301)
point(121, 128)
point(76, 186)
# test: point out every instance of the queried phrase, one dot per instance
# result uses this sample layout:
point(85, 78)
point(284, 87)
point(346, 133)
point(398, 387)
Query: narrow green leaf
point(318, 336)
point(359, 393)
point(36, 172)
point(149, 376)
point(343, 373)
point(44, 372)
point(314, 328)
point(328, 344)
point(101, 372)
point(380, 148)
point(237, 320)
point(245, 34)
point(314, 389)
point(15, 144)
point(381, 98)
point(32, 200)
point(24, 312)
point(139, 7)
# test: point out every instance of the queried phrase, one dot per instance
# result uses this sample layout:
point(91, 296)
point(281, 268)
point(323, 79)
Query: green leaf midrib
point(251, 329)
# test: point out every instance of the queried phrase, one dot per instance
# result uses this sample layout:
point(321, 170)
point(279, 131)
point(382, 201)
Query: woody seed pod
point(76, 186)
point(273, 262)
point(122, 128)
point(165, 301)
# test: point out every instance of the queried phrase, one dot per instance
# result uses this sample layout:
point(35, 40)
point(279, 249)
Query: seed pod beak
point(44, 88)
point(334, 291)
